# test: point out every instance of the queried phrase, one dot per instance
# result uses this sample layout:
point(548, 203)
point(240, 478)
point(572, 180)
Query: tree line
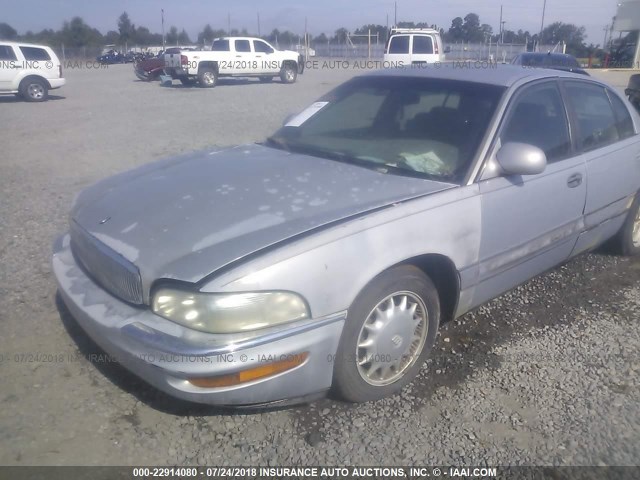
point(77, 33)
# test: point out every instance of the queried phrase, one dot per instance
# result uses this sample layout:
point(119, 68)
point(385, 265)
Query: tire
point(289, 73)
point(187, 82)
point(399, 347)
point(266, 79)
point(34, 90)
point(627, 241)
point(207, 77)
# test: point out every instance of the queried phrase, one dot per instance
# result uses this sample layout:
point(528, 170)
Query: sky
point(322, 15)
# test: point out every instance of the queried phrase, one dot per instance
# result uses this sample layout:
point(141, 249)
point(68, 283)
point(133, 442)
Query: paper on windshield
point(306, 114)
point(428, 162)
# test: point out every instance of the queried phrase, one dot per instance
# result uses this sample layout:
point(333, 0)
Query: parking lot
point(547, 374)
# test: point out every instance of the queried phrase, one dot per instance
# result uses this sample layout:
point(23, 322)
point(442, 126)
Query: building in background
point(627, 21)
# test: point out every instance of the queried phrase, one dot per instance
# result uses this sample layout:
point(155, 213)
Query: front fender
point(331, 267)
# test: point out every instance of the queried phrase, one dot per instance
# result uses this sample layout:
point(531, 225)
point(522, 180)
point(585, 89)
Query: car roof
point(22, 44)
point(545, 54)
point(238, 38)
point(479, 72)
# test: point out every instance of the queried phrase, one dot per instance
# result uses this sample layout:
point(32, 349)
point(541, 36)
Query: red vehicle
point(149, 69)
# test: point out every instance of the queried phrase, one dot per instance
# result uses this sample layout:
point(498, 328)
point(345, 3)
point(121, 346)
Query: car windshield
point(402, 125)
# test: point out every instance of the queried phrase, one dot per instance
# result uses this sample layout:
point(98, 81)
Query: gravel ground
point(547, 374)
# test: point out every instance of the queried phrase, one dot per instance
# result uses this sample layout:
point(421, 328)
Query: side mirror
point(521, 159)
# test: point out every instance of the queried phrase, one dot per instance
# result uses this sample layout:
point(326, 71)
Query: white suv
point(29, 70)
point(414, 46)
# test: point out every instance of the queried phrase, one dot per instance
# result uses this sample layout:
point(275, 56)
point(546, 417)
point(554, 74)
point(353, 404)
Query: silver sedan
point(325, 258)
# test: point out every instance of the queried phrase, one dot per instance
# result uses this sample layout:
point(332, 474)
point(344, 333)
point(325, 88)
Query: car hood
point(184, 218)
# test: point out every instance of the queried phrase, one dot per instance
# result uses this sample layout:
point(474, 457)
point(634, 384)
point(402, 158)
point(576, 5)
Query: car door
point(606, 137)
point(422, 49)
point(224, 55)
point(245, 57)
point(530, 223)
point(398, 50)
point(9, 67)
point(267, 62)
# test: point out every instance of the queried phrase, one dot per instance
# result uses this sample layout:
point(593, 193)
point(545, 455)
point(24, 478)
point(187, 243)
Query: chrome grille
point(106, 267)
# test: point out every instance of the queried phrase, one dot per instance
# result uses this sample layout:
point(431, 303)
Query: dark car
point(149, 69)
point(111, 57)
point(556, 61)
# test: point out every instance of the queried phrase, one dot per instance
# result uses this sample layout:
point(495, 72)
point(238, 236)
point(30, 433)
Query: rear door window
point(243, 46)
point(34, 53)
point(399, 44)
point(597, 125)
point(220, 46)
point(7, 53)
point(422, 44)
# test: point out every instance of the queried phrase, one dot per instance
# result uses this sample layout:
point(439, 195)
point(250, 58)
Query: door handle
point(574, 180)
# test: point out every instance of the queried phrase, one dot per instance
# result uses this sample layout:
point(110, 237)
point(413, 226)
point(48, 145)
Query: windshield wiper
point(277, 142)
point(346, 157)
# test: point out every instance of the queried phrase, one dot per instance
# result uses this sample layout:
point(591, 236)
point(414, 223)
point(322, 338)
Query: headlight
point(229, 312)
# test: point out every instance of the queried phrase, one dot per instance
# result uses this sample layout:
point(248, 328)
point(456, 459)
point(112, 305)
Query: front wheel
point(627, 241)
point(34, 90)
point(207, 77)
point(391, 327)
point(289, 73)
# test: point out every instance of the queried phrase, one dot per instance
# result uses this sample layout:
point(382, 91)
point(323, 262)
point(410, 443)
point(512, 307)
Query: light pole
point(544, 8)
point(163, 37)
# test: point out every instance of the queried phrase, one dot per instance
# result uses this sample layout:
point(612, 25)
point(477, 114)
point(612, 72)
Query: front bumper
point(166, 354)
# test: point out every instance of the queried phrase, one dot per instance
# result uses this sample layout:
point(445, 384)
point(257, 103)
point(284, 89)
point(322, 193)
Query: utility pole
point(606, 32)
point(229, 23)
point(259, 24)
point(306, 41)
point(395, 14)
point(163, 37)
point(500, 26)
point(544, 8)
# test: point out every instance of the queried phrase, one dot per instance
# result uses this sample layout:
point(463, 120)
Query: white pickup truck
point(234, 57)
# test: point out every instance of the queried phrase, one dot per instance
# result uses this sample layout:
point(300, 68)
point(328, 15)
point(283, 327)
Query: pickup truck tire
point(289, 72)
point(266, 79)
point(34, 89)
point(207, 77)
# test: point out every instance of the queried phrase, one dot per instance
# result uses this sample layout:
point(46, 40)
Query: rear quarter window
point(623, 119)
point(35, 53)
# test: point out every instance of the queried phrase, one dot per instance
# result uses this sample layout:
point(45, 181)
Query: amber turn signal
point(251, 374)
